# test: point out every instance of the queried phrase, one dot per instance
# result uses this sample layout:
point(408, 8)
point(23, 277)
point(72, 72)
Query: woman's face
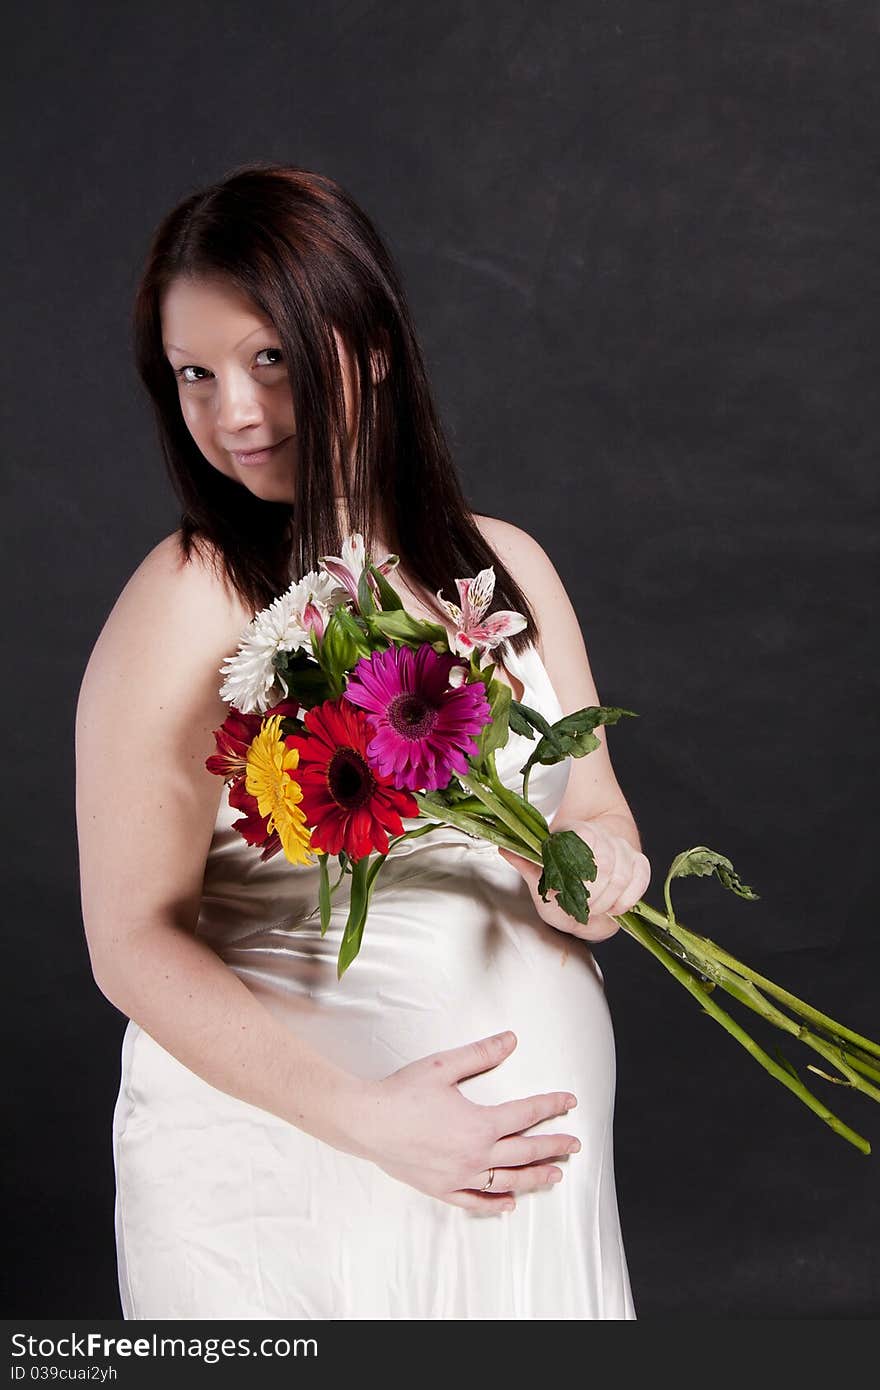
point(233, 386)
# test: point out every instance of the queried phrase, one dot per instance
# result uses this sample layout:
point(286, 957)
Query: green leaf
point(568, 861)
point(484, 673)
point(494, 734)
point(355, 630)
point(525, 721)
point(413, 631)
point(366, 602)
point(341, 648)
point(388, 595)
point(572, 736)
point(373, 873)
point(786, 1064)
point(363, 879)
point(702, 861)
point(324, 892)
point(518, 723)
point(357, 916)
point(415, 834)
point(306, 681)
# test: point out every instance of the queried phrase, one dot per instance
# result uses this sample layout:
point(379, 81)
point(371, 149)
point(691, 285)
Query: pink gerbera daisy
point(424, 730)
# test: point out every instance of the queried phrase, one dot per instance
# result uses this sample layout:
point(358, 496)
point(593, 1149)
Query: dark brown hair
point(310, 259)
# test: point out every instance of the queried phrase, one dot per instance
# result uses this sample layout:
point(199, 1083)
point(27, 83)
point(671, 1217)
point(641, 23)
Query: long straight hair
point(307, 256)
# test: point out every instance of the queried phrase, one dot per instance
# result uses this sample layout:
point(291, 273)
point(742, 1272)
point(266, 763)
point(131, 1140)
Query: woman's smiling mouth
point(255, 456)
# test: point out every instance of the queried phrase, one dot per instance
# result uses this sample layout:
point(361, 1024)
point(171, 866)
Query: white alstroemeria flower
point(348, 567)
point(473, 631)
point(252, 683)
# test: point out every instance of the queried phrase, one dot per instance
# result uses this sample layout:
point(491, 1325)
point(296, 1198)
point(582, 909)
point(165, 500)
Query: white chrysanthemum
point(251, 681)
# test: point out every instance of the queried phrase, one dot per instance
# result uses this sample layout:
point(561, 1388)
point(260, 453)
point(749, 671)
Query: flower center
point(411, 715)
point(350, 779)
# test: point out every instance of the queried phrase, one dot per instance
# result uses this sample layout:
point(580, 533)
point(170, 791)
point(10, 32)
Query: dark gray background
point(640, 242)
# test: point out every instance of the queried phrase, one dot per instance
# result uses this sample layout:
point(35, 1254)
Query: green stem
point(748, 994)
point(853, 1066)
point(690, 940)
point(862, 1064)
point(701, 960)
point(745, 990)
point(412, 835)
point(667, 898)
point(537, 822)
point(479, 829)
point(503, 813)
point(629, 922)
point(331, 890)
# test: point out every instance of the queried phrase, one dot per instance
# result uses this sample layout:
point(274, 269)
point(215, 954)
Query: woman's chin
point(269, 490)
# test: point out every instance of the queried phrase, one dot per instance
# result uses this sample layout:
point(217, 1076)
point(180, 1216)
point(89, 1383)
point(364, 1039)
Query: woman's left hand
point(622, 878)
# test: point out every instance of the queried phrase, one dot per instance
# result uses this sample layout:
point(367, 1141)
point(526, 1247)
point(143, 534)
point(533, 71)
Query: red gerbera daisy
point(349, 805)
point(252, 827)
point(233, 739)
point(237, 733)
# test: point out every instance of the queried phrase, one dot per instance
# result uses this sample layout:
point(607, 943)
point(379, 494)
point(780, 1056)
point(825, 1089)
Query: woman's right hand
point(420, 1129)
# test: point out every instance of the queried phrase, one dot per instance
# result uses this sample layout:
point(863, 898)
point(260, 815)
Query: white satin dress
point(226, 1211)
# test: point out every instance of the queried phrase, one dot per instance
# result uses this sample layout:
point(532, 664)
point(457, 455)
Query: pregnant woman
point(401, 1143)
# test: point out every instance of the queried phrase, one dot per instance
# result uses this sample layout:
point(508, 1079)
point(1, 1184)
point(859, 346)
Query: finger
point(519, 1150)
point(609, 893)
point(637, 886)
point(599, 928)
point(458, 1063)
point(515, 859)
point(529, 871)
point(513, 1116)
point(612, 884)
point(527, 1179)
point(484, 1204)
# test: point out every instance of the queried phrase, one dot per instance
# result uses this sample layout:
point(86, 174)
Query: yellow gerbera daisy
point(268, 762)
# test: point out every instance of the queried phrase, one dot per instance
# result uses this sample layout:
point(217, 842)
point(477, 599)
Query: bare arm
point(594, 804)
point(185, 997)
point(146, 807)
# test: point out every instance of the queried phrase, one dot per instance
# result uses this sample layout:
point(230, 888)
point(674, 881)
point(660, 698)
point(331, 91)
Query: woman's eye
point(181, 372)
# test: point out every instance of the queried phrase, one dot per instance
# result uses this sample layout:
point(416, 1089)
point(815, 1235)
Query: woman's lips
point(257, 456)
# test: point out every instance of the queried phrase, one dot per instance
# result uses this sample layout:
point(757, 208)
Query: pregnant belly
point(453, 951)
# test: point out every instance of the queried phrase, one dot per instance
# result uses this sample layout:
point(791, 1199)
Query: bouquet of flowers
point(348, 714)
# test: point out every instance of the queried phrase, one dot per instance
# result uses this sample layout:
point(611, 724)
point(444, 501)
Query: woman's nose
point(239, 405)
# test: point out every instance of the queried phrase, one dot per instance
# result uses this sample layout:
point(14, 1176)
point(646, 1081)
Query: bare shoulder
point(503, 536)
point(171, 600)
point(537, 576)
point(197, 578)
point(153, 675)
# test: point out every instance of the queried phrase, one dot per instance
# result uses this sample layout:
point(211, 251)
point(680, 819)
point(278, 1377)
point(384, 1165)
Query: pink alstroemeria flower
point(348, 567)
point(472, 630)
